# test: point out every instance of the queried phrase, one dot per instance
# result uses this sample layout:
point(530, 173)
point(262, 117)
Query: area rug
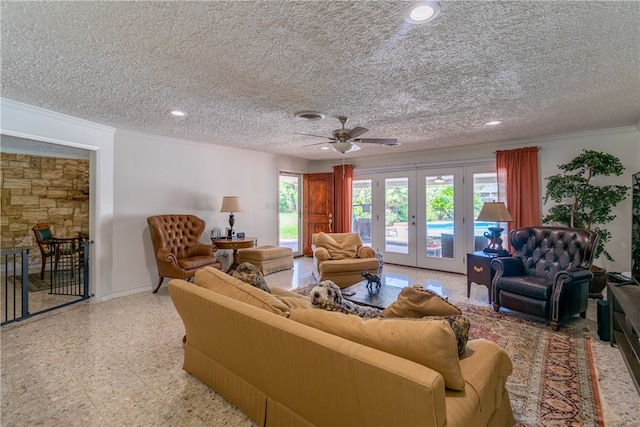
point(552, 383)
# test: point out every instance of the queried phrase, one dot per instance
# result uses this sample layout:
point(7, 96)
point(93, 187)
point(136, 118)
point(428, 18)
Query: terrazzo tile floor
point(119, 362)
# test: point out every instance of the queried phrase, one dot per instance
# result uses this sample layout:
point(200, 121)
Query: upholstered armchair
point(177, 248)
point(340, 257)
point(548, 275)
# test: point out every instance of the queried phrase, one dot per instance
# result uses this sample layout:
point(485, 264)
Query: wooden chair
point(57, 248)
point(177, 248)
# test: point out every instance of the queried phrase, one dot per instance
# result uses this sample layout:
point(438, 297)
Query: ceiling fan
point(344, 140)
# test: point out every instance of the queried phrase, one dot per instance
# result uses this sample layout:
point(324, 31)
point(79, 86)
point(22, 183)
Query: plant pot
point(598, 283)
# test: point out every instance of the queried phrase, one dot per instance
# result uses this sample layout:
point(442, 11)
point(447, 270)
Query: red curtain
point(342, 180)
point(518, 185)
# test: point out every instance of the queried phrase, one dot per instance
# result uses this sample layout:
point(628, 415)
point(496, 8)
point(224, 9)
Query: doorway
point(424, 218)
point(289, 214)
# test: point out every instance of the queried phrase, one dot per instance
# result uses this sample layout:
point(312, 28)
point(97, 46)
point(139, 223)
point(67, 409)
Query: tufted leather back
point(545, 251)
point(179, 233)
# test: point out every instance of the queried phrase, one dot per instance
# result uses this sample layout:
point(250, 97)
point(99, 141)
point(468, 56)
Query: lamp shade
point(231, 204)
point(495, 212)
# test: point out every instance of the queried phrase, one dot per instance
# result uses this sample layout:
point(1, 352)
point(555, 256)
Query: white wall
point(623, 143)
point(157, 175)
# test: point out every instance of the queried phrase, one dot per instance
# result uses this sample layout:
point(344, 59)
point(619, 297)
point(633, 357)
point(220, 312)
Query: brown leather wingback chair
point(177, 248)
point(548, 275)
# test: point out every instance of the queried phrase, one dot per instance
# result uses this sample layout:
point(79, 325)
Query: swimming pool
point(436, 228)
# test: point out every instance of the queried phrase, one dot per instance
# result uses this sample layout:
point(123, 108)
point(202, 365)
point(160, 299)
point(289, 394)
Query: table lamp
point(231, 204)
point(495, 211)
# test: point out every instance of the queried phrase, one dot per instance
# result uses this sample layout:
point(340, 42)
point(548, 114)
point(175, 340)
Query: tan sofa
point(245, 344)
point(341, 257)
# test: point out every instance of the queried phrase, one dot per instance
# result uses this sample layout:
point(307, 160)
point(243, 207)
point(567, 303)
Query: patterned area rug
point(552, 383)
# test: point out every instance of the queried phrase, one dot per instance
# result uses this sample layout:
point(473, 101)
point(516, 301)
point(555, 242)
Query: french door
point(424, 218)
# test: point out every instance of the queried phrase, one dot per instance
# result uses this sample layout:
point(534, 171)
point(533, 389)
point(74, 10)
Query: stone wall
point(42, 189)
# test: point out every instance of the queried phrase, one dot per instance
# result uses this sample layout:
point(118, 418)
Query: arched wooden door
point(318, 207)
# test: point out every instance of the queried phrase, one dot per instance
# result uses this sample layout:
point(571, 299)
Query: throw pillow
point(430, 343)
point(291, 299)
point(419, 302)
point(222, 283)
point(336, 250)
point(252, 275)
point(460, 326)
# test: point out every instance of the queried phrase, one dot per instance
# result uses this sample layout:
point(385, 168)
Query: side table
point(228, 244)
point(479, 271)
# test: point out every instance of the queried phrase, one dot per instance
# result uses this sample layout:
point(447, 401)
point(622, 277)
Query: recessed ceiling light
point(494, 123)
point(324, 148)
point(178, 113)
point(421, 12)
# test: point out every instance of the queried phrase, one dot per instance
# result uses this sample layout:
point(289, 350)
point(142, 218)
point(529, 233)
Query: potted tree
point(583, 204)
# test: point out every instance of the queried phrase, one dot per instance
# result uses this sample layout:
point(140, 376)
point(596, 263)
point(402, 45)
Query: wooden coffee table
point(384, 296)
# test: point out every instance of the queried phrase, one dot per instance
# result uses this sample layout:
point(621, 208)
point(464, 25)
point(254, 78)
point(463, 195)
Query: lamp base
point(496, 252)
point(495, 246)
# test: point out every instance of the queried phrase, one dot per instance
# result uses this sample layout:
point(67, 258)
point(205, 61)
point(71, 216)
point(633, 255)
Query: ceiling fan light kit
point(344, 147)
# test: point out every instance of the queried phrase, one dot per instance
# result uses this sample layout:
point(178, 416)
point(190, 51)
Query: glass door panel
point(396, 215)
point(440, 209)
point(397, 219)
point(485, 189)
point(361, 201)
point(441, 198)
point(289, 217)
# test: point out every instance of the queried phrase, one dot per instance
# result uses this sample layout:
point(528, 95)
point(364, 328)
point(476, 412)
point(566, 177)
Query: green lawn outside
point(288, 225)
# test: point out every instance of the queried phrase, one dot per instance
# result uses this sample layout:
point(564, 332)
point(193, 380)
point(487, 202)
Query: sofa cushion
point(217, 281)
point(415, 301)
point(252, 275)
point(430, 343)
point(291, 299)
point(346, 249)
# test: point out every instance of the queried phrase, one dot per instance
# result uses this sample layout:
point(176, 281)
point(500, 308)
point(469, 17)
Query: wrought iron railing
point(68, 275)
point(15, 285)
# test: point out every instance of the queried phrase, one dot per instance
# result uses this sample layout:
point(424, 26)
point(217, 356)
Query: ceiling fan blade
point(316, 143)
point(316, 136)
point(357, 131)
point(381, 141)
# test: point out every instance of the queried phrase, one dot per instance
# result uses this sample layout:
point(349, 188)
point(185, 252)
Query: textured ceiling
point(241, 69)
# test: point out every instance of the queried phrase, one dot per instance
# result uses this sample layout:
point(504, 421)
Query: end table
point(479, 271)
point(247, 242)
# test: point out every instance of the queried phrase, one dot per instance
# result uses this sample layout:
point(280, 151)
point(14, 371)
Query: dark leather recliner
point(548, 275)
point(177, 248)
